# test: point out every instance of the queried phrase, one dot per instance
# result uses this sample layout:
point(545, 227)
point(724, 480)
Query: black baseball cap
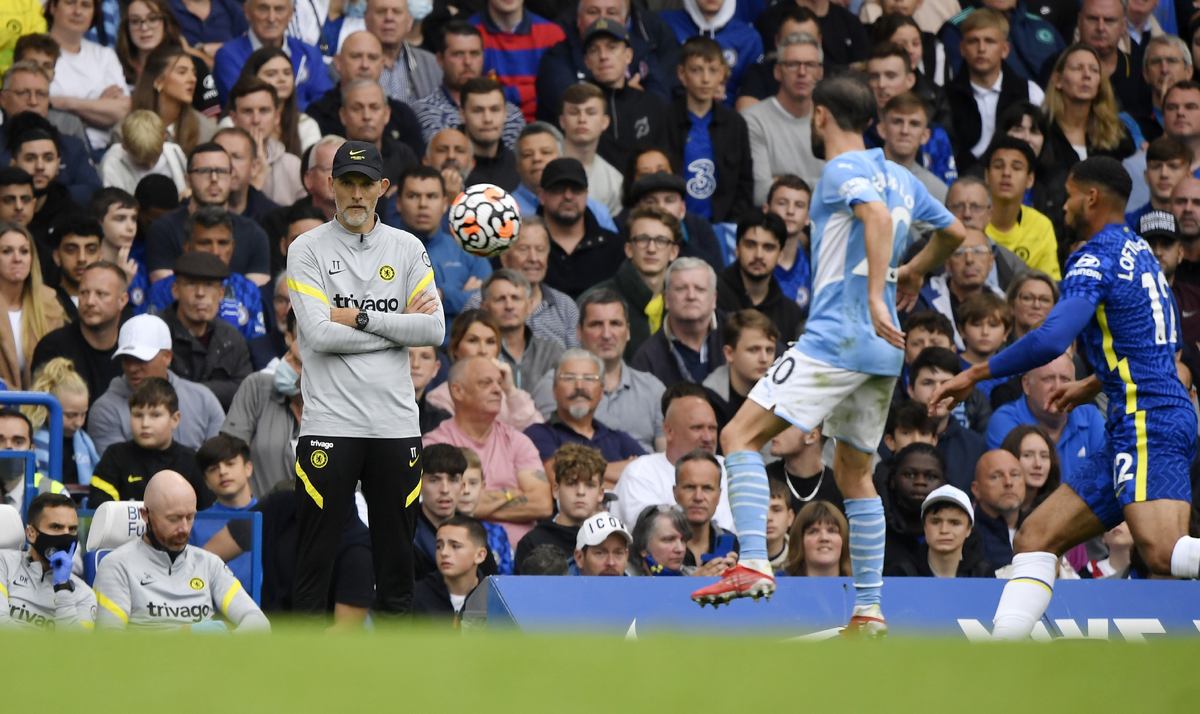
point(358, 156)
point(1158, 227)
point(658, 181)
point(604, 26)
point(564, 171)
point(201, 266)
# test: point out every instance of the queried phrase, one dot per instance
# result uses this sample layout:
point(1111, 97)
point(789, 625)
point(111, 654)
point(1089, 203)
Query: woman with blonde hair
point(59, 378)
point(819, 542)
point(143, 150)
point(1083, 113)
point(474, 333)
point(33, 308)
point(167, 86)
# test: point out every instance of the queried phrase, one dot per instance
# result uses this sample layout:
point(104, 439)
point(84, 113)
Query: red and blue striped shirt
point(512, 58)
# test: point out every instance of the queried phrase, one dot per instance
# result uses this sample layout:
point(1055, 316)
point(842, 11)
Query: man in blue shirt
point(1076, 435)
point(538, 144)
point(268, 21)
point(225, 461)
point(845, 365)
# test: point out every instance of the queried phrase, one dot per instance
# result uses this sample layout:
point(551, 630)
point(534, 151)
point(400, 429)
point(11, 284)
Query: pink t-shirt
point(505, 453)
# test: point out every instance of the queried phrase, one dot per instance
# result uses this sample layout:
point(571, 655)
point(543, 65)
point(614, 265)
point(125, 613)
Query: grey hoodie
point(201, 414)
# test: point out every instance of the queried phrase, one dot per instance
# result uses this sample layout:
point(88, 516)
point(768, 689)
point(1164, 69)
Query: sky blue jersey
point(839, 329)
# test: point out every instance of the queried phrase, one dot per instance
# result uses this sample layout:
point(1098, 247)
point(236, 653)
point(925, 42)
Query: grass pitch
point(422, 670)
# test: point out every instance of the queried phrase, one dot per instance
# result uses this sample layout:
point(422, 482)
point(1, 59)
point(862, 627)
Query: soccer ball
point(485, 220)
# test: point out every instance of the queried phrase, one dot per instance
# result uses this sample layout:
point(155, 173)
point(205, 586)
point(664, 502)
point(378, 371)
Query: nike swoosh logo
point(413, 462)
point(335, 272)
point(356, 153)
point(1187, 314)
point(147, 581)
point(134, 479)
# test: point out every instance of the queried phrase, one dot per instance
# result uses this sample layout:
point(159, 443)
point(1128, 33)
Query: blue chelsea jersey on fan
point(1132, 337)
point(839, 329)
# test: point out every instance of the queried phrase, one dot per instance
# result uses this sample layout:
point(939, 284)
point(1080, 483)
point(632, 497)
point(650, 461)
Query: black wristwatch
point(69, 586)
point(361, 319)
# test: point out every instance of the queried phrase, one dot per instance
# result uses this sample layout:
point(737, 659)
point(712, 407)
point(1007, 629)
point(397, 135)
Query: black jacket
point(500, 169)
point(403, 126)
point(997, 548)
point(126, 468)
point(968, 125)
point(58, 203)
point(1065, 156)
point(546, 531)
point(97, 367)
point(596, 257)
point(972, 565)
point(637, 294)
point(699, 238)
point(68, 305)
point(822, 487)
point(428, 415)
point(785, 313)
point(636, 119)
point(658, 357)
point(734, 194)
point(935, 96)
point(431, 598)
point(221, 366)
point(397, 158)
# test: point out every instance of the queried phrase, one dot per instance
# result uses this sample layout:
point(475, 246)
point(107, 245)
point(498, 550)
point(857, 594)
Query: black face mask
point(158, 545)
point(47, 545)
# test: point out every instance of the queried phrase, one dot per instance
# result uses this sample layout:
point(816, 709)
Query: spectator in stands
point(1083, 111)
point(1102, 27)
point(1028, 122)
point(514, 40)
point(926, 55)
point(668, 191)
point(601, 547)
point(554, 314)
point(924, 328)
point(89, 341)
point(780, 133)
point(37, 311)
point(461, 60)
point(17, 202)
point(474, 333)
point(461, 544)
point(254, 106)
point(266, 412)
point(966, 275)
point(519, 493)
point(578, 388)
point(207, 349)
point(961, 446)
point(698, 479)
point(688, 424)
point(88, 80)
point(16, 434)
point(654, 240)
point(908, 421)
point(985, 322)
point(968, 199)
point(819, 542)
point(916, 471)
point(1165, 62)
point(365, 114)
point(474, 483)
point(660, 539)
point(296, 130)
point(441, 487)
point(843, 38)
point(169, 508)
point(1160, 230)
point(904, 128)
point(78, 246)
point(225, 462)
point(1077, 435)
point(209, 169)
point(317, 170)
point(450, 152)
point(1035, 42)
point(483, 112)
point(717, 20)
point(629, 397)
point(156, 197)
point(581, 252)
point(799, 468)
point(147, 25)
point(1168, 161)
point(117, 212)
point(1030, 296)
point(409, 73)
point(1024, 230)
point(988, 84)
point(424, 365)
point(268, 20)
point(33, 145)
point(1181, 104)
point(748, 341)
point(126, 467)
point(361, 57)
point(583, 120)
point(62, 602)
point(79, 457)
point(244, 198)
point(890, 73)
point(538, 144)
point(750, 282)
point(577, 485)
point(789, 198)
point(999, 490)
point(685, 349)
point(711, 136)
point(43, 51)
point(779, 521)
point(948, 519)
point(167, 86)
point(142, 151)
point(144, 348)
point(506, 295)
point(27, 89)
point(1039, 462)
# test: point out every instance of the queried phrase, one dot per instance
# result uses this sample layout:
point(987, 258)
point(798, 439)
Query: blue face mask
point(659, 570)
point(287, 381)
point(420, 9)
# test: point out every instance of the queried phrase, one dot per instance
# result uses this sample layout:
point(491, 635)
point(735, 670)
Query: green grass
point(296, 670)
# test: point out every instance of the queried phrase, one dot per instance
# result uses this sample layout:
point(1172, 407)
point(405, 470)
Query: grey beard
point(578, 411)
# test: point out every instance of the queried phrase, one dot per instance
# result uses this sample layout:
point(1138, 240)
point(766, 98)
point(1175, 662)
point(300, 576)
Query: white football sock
point(1025, 596)
point(1185, 559)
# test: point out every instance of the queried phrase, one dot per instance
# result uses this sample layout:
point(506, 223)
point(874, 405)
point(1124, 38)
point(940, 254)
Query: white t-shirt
point(457, 601)
point(14, 319)
point(86, 74)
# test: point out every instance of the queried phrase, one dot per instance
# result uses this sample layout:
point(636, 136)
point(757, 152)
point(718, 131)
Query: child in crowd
point(985, 321)
point(117, 211)
point(441, 487)
point(948, 518)
point(578, 488)
point(225, 461)
point(143, 150)
point(927, 328)
point(908, 422)
point(474, 483)
point(779, 520)
point(59, 378)
point(462, 546)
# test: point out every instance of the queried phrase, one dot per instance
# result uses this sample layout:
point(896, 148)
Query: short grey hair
point(647, 522)
point(458, 370)
point(509, 275)
point(578, 353)
point(696, 455)
point(690, 263)
point(28, 66)
point(359, 83)
point(801, 38)
point(969, 180)
point(328, 140)
point(1170, 40)
point(534, 128)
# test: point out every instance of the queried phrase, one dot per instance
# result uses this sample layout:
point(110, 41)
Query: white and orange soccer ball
point(485, 220)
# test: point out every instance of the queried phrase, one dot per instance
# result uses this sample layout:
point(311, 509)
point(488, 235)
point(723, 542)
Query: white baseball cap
point(597, 528)
point(949, 494)
point(142, 337)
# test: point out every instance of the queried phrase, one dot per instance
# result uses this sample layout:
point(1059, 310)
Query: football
point(485, 220)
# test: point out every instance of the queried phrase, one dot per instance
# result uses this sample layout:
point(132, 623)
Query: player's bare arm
point(877, 234)
point(911, 276)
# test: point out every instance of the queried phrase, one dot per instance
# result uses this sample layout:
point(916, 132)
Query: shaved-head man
point(451, 153)
point(999, 490)
point(160, 583)
point(1185, 204)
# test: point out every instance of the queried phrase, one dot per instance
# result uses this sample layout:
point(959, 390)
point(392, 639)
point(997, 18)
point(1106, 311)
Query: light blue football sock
point(749, 497)
point(867, 531)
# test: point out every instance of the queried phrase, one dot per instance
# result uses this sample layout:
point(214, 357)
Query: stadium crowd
point(160, 157)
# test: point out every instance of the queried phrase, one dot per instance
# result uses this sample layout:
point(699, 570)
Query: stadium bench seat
point(12, 529)
point(114, 524)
